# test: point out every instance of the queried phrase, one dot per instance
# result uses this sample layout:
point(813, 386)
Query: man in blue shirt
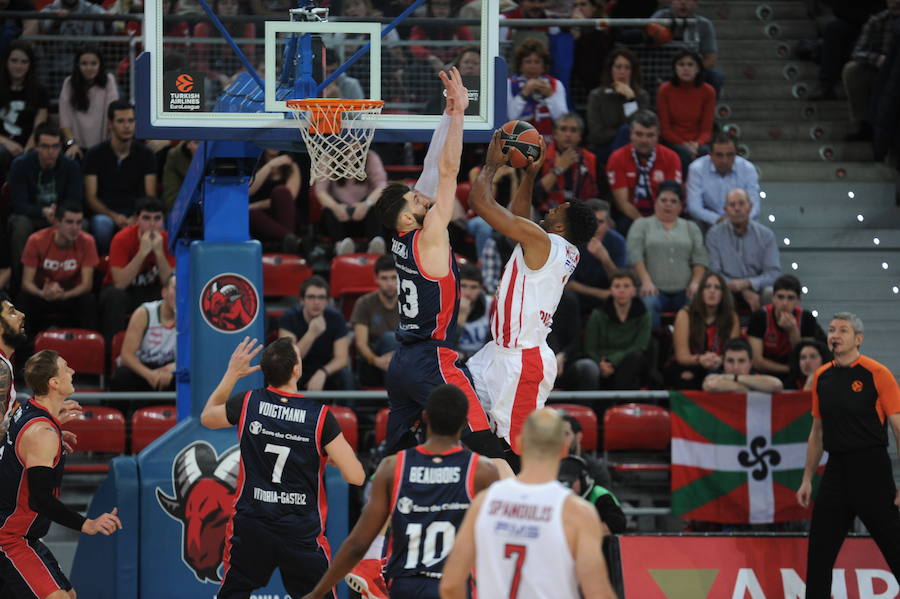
point(604, 254)
point(711, 177)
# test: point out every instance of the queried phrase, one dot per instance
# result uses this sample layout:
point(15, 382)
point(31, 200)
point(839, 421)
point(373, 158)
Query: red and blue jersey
point(282, 459)
point(17, 519)
point(428, 306)
point(431, 494)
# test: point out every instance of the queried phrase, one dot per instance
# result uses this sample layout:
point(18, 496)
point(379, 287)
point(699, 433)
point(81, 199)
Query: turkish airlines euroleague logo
point(184, 83)
point(229, 303)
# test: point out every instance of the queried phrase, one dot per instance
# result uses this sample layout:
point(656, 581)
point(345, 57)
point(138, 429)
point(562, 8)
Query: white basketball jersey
point(159, 341)
point(527, 299)
point(9, 402)
point(520, 545)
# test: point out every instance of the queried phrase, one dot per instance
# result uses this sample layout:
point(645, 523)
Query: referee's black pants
point(859, 483)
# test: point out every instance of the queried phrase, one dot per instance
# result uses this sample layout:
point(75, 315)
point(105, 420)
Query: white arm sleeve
point(428, 182)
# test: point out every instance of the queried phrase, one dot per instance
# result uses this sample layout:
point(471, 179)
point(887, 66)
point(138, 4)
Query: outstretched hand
point(534, 165)
point(239, 364)
point(457, 94)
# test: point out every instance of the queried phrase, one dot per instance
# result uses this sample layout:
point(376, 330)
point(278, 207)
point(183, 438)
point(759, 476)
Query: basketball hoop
point(337, 134)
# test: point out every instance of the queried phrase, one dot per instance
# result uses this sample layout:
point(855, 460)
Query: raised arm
point(428, 182)
point(213, 415)
point(534, 240)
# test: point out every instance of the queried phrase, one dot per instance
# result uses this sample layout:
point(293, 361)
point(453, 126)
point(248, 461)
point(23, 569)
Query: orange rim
point(325, 113)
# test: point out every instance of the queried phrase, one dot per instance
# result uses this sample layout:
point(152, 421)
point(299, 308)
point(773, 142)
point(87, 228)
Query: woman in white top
point(83, 100)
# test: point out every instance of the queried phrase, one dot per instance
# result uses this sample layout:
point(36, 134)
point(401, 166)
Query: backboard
point(192, 84)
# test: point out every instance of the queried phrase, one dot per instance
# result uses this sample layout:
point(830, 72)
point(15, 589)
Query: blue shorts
point(29, 570)
point(414, 587)
point(414, 371)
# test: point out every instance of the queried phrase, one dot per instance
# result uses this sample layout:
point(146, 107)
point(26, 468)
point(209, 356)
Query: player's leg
point(313, 561)
point(29, 569)
point(249, 558)
point(414, 587)
point(831, 520)
point(402, 381)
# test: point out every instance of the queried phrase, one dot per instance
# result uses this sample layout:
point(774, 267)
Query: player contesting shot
point(515, 373)
point(429, 293)
point(425, 492)
point(285, 441)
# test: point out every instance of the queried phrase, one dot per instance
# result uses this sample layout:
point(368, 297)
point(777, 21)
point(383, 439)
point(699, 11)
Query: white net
point(337, 134)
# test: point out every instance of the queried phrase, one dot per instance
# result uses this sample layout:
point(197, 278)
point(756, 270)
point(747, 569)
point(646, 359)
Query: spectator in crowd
point(603, 255)
point(147, 361)
point(686, 105)
point(592, 44)
point(737, 375)
point(701, 330)
point(668, 254)
point(347, 207)
point(868, 57)
point(505, 184)
point(178, 161)
point(41, 180)
point(569, 171)
point(139, 264)
point(393, 60)
point(527, 9)
point(838, 39)
point(117, 172)
point(12, 28)
point(565, 341)
point(5, 263)
point(472, 10)
point(273, 200)
point(468, 63)
point(437, 57)
point(217, 60)
point(575, 472)
point(636, 170)
point(474, 312)
point(610, 106)
point(617, 337)
point(711, 177)
point(320, 334)
point(24, 103)
point(74, 28)
point(83, 100)
point(58, 274)
point(575, 433)
point(886, 109)
point(744, 251)
point(350, 87)
point(806, 358)
point(686, 9)
point(533, 95)
point(375, 318)
point(777, 327)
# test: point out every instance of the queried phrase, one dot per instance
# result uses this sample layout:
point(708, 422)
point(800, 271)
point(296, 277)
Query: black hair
point(581, 223)
point(574, 468)
point(117, 105)
point(625, 273)
point(738, 344)
point(31, 86)
point(606, 77)
point(80, 99)
point(794, 358)
point(313, 281)
point(64, 207)
point(391, 203)
point(670, 185)
point(723, 138)
point(573, 422)
point(4, 297)
point(788, 283)
point(699, 78)
point(46, 128)
point(385, 263)
point(645, 118)
point(446, 409)
point(149, 204)
point(470, 272)
point(278, 361)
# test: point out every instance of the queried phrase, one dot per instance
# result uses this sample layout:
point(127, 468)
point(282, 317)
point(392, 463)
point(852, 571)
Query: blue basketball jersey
point(280, 479)
point(428, 307)
point(430, 497)
point(17, 519)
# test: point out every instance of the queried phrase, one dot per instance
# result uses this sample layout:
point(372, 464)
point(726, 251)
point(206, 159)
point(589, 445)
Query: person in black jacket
point(575, 473)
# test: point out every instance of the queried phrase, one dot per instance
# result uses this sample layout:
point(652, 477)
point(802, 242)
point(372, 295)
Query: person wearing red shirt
point(636, 170)
point(139, 263)
point(686, 108)
point(437, 57)
point(569, 171)
point(58, 274)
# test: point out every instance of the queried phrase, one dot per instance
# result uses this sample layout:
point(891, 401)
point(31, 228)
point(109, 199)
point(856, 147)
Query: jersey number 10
point(430, 555)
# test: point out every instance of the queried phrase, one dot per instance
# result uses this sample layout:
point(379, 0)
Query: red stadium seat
point(349, 424)
point(99, 430)
point(588, 420)
point(116, 350)
point(352, 275)
point(149, 423)
point(640, 433)
point(283, 274)
point(381, 420)
point(84, 350)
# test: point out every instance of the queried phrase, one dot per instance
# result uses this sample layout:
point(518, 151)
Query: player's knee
point(61, 595)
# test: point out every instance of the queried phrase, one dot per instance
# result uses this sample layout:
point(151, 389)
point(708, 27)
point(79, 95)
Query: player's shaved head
point(543, 435)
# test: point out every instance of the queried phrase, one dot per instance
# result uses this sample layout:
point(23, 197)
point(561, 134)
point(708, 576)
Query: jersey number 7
point(282, 455)
point(519, 552)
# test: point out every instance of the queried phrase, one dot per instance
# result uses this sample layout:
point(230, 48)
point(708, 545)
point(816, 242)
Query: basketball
point(519, 141)
point(659, 34)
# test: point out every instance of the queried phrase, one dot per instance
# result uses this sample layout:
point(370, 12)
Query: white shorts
point(511, 384)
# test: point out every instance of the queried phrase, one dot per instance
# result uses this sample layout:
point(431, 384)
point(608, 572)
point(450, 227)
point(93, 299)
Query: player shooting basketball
point(515, 374)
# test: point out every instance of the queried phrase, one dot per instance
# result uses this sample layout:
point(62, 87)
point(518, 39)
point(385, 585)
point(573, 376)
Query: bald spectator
point(744, 252)
point(711, 177)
